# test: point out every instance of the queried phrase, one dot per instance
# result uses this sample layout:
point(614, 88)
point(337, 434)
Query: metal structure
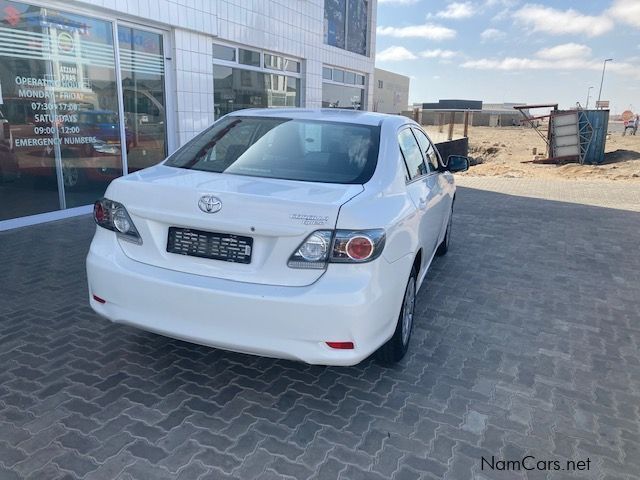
point(570, 133)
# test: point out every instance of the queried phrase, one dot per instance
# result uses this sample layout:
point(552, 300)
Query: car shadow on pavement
point(525, 343)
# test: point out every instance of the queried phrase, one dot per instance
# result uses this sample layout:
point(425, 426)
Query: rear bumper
point(356, 303)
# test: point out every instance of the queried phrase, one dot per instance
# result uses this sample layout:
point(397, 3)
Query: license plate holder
point(226, 247)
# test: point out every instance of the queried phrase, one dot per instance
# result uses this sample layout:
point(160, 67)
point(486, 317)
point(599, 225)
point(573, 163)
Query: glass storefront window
point(326, 73)
point(235, 89)
point(249, 57)
point(291, 66)
point(60, 142)
point(349, 77)
point(142, 73)
point(338, 75)
point(276, 62)
point(342, 96)
point(223, 52)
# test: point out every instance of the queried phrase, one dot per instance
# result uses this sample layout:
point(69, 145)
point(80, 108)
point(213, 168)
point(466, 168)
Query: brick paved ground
point(599, 193)
point(526, 343)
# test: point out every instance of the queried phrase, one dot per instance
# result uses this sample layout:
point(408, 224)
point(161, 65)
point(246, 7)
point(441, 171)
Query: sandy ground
point(508, 152)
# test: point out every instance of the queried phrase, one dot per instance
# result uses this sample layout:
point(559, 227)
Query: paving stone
point(77, 464)
point(143, 449)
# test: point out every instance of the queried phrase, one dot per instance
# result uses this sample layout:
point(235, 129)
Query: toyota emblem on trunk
point(209, 204)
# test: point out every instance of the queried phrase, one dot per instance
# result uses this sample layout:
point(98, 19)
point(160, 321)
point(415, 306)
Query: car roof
point(328, 114)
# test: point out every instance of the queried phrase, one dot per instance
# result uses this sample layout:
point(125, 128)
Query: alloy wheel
point(408, 307)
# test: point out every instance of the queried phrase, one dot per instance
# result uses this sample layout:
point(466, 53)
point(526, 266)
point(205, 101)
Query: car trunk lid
point(276, 214)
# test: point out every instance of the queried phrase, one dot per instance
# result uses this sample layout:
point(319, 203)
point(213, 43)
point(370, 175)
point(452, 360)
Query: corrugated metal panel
point(599, 120)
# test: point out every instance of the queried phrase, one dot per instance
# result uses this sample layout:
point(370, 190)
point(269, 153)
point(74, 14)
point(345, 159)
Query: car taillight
point(359, 248)
point(113, 216)
point(338, 246)
point(313, 252)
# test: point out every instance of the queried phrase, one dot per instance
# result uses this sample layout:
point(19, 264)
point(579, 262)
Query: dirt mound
point(481, 154)
point(621, 155)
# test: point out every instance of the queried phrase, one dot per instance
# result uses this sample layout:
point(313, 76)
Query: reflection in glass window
point(334, 22)
point(223, 52)
point(342, 96)
point(357, 26)
point(349, 77)
point(60, 131)
point(142, 67)
point(411, 153)
point(427, 149)
point(249, 57)
point(272, 61)
point(291, 66)
point(276, 62)
point(345, 24)
point(235, 89)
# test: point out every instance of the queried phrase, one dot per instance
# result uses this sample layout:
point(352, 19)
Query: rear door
point(439, 202)
point(419, 190)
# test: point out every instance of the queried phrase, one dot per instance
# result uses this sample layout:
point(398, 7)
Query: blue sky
point(513, 50)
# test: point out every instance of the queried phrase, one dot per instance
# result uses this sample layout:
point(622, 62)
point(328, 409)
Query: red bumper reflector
point(341, 345)
point(98, 299)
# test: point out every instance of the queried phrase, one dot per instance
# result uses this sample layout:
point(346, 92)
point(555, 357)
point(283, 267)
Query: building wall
point(392, 95)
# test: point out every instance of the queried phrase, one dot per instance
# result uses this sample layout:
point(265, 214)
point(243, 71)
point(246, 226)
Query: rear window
point(289, 149)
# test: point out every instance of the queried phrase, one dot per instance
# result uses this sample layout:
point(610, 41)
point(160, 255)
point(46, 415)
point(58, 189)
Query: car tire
point(443, 248)
point(395, 349)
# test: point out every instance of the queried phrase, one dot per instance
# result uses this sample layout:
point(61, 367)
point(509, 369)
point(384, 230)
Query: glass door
point(59, 122)
point(143, 93)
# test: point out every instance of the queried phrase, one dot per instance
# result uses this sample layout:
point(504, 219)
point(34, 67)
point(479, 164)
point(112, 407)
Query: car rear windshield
point(289, 149)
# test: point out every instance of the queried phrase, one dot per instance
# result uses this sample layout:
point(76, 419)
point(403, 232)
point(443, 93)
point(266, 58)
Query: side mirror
point(457, 163)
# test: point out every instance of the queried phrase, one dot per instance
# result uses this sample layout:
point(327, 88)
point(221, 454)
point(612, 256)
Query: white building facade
point(94, 89)
point(390, 92)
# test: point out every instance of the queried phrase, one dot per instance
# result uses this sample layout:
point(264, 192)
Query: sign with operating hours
point(53, 109)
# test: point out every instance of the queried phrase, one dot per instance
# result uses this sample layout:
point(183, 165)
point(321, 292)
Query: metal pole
point(452, 120)
point(588, 96)
point(604, 65)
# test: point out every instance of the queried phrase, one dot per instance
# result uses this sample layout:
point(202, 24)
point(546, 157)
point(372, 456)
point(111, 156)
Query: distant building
point(480, 114)
point(498, 115)
point(390, 92)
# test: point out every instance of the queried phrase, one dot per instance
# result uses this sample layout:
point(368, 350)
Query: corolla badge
point(309, 219)
point(209, 204)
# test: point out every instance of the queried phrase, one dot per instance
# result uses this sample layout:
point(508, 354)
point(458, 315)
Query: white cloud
point(626, 11)
point(395, 54)
point(430, 31)
point(562, 22)
point(557, 65)
point(492, 34)
point(564, 51)
point(437, 53)
point(399, 2)
point(457, 10)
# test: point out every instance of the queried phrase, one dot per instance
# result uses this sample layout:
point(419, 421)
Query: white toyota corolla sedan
point(300, 234)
